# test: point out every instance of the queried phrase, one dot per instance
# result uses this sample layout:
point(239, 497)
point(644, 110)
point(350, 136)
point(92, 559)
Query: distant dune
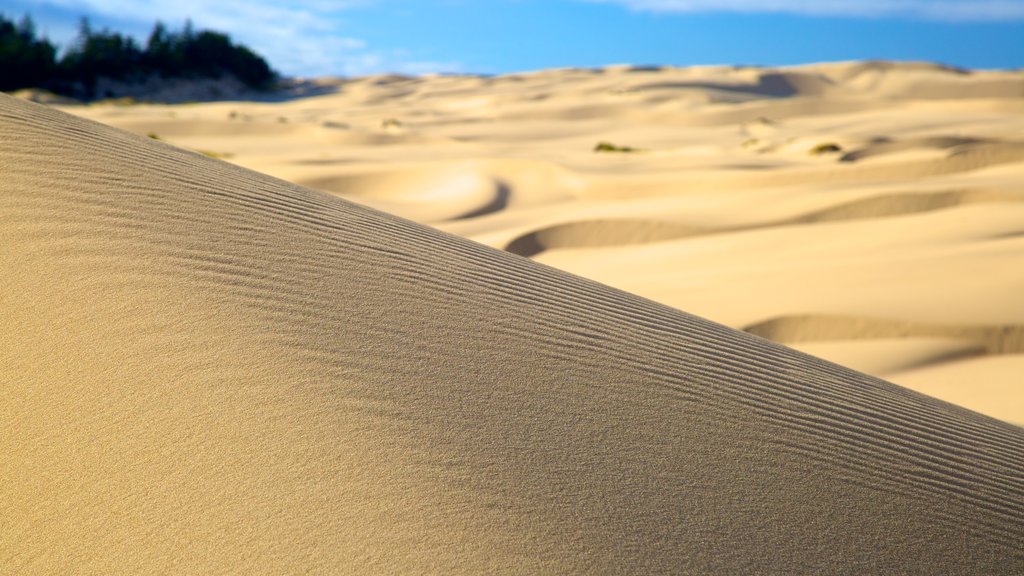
point(210, 370)
point(882, 193)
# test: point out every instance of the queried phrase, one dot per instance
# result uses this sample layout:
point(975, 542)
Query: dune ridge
point(208, 369)
point(1007, 339)
point(620, 232)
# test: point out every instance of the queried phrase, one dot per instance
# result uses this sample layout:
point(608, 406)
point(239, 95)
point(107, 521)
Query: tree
point(24, 60)
point(95, 55)
point(29, 62)
point(161, 54)
point(204, 54)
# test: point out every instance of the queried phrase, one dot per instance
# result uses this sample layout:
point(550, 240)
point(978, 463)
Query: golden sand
point(209, 370)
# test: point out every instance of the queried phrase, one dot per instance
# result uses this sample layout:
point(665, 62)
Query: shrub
point(212, 154)
point(826, 148)
point(609, 147)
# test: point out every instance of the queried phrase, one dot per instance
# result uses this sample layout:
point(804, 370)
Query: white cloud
point(950, 10)
point(303, 38)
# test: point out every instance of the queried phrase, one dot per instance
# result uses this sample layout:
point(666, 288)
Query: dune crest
point(1007, 339)
point(208, 369)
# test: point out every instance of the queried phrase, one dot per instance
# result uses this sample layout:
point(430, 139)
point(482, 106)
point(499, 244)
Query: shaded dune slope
point(449, 193)
point(1005, 339)
point(621, 232)
point(210, 370)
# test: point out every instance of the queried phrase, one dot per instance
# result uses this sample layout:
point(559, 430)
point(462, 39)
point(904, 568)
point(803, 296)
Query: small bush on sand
point(218, 155)
point(826, 148)
point(153, 135)
point(609, 147)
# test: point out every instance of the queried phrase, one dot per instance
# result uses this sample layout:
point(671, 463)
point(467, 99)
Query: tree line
point(28, 61)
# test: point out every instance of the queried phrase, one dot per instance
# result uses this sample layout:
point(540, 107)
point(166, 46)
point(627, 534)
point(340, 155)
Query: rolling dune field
point(859, 194)
point(266, 362)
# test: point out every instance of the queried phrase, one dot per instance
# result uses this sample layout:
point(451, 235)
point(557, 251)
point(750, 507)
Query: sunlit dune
point(210, 367)
point(874, 191)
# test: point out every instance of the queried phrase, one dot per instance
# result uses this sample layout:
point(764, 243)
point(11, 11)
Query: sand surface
point(725, 211)
point(210, 370)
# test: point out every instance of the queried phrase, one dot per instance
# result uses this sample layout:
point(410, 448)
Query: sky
point(358, 37)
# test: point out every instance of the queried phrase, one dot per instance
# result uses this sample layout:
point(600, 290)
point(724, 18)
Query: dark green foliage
point(827, 148)
point(102, 54)
point(205, 54)
point(609, 147)
point(162, 53)
point(24, 60)
point(29, 62)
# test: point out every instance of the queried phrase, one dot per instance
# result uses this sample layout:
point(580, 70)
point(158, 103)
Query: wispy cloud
point(950, 10)
point(305, 38)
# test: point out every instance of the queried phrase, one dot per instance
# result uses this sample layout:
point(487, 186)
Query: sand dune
point(601, 233)
point(853, 189)
point(210, 370)
point(873, 190)
point(598, 233)
point(1007, 339)
point(433, 194)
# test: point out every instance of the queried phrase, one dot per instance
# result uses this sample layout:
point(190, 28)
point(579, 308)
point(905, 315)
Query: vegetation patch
point(218, 155)
point(207, 153)
point(28, 61)
point(826, 148)
point(609, 147)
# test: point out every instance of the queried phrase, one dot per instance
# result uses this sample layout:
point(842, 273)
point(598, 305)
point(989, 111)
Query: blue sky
point(353, 37)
